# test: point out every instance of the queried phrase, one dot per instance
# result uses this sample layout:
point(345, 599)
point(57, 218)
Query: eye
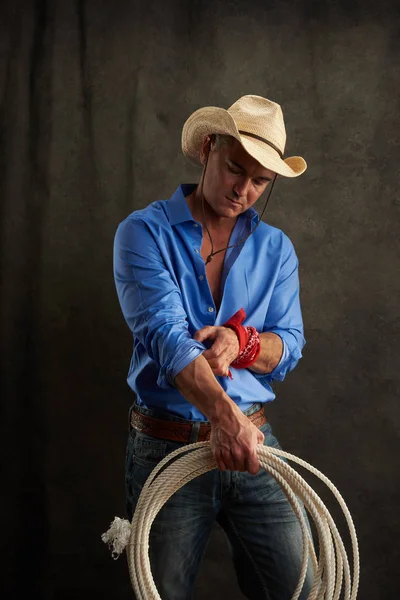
point(233, 170)
point(258, 183)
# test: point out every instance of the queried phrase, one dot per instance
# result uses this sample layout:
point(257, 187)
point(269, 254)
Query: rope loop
point(331, 568)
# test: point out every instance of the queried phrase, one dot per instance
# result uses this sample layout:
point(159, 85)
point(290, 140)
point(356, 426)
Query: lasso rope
point(331, 568)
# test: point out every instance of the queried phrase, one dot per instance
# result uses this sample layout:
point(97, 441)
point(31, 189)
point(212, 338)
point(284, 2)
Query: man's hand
point(234, 441)
point(224, 349)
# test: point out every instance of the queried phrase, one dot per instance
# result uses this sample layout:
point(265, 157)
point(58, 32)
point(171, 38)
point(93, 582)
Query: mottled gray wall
point(93, 98)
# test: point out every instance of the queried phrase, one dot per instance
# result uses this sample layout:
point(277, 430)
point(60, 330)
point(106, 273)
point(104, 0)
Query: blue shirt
point(165, 298)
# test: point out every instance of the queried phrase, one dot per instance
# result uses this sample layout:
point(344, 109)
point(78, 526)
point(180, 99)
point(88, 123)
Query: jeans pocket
point(147, 449)
point(269, 438)
point(143, 454)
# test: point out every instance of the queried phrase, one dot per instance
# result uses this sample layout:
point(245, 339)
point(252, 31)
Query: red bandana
point(249, 341)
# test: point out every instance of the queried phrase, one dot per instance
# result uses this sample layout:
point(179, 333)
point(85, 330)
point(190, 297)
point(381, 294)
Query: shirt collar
point(179, 211)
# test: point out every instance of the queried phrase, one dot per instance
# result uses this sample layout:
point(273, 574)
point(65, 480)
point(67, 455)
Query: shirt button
point(195, 224)
point(210, 309)
point(197, 251)
point(201, 277)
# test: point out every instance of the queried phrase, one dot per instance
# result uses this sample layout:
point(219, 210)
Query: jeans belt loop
point(194, 433)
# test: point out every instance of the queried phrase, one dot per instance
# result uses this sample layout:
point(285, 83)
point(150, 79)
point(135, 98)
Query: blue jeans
point(263, 532)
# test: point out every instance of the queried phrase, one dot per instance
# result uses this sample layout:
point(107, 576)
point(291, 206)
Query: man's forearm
point(270, 355)
point(233, 437)
point(198, 385)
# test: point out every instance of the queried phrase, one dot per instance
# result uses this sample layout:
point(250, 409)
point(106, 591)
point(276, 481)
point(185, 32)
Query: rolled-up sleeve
point(150, 301)
point(284, 316)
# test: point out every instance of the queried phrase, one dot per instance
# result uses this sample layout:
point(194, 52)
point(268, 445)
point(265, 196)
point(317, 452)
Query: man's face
point(234, 180)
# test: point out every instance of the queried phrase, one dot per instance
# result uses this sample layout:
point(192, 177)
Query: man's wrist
point(272, 349)
point(250, 352)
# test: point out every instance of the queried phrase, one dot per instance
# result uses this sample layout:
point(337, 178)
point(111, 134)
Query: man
point(211, 295)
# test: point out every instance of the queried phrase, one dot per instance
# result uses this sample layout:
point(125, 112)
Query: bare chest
point(214, 268)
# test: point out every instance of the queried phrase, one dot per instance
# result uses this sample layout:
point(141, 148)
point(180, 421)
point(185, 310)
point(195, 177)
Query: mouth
point(233, 201)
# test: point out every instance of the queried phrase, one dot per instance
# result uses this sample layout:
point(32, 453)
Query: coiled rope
point(331, 569)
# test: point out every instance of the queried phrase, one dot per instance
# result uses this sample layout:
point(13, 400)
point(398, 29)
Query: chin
point(231, 207)
point(227, 212)
point(234, 210)
point(225, 208)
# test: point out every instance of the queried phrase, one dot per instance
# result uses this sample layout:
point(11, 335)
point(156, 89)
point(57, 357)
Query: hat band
point(257, 137)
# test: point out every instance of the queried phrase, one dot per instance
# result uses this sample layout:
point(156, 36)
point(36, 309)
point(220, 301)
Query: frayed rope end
point(117, 536)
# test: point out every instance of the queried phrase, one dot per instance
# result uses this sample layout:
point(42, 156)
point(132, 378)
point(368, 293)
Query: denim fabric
point(263, 533)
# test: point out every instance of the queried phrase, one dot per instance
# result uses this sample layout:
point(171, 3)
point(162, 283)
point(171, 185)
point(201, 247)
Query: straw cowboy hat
point(257, 123)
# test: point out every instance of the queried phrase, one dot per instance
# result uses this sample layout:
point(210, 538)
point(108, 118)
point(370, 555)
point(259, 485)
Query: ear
point(206, 146)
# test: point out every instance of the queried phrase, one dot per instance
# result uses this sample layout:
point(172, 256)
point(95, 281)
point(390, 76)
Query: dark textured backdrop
point(93, 98)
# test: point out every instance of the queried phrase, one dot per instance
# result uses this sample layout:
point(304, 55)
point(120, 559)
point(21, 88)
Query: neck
point(215, 223)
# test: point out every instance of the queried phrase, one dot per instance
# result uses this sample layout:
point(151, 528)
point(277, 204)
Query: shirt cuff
point(186, 354)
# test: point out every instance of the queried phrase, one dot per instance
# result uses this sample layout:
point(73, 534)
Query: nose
point(241, 187)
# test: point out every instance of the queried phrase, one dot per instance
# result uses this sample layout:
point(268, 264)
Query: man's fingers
point(237, 460)
point(210, 355)
point(260, 437)
point(218, 367)
point(219, 350)
point(219, 364)
point(208, 332)
point(252, 464)
point(219, 460)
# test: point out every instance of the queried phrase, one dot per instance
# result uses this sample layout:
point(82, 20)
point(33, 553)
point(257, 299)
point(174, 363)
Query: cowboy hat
point(257, 123)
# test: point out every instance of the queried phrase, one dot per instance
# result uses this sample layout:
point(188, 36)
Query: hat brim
point(212, 119)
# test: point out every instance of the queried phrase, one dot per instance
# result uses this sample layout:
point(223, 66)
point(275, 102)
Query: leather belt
point(182, 432)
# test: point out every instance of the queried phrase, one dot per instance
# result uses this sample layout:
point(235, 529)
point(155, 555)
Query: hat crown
point(260, 117)
point(255, 122)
